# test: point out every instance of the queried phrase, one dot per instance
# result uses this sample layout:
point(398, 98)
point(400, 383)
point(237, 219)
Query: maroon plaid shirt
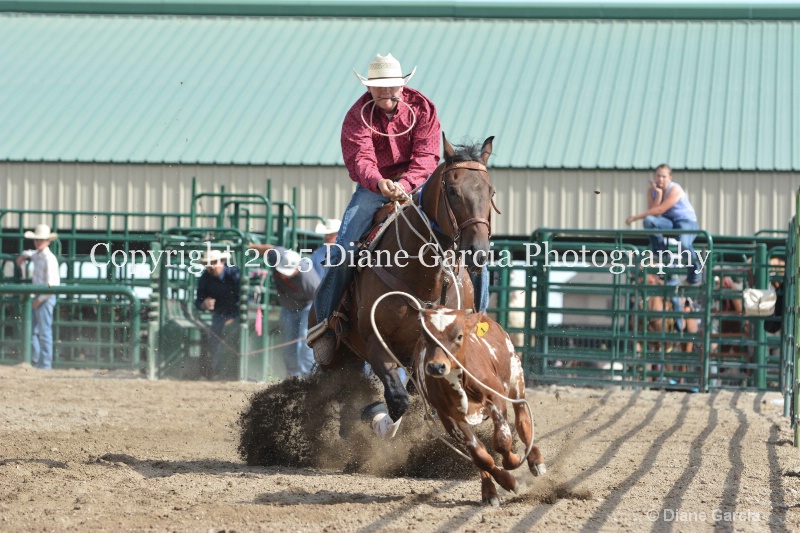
point(370, 157)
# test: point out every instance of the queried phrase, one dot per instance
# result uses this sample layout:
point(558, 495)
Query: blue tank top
point(683, 210)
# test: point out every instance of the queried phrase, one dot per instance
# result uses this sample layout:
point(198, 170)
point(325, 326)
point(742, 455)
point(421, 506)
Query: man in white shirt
point(45, 272)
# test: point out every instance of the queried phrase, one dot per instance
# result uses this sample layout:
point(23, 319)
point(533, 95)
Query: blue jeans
point(356, 220)
point(297, 356)
point(42, 339)
point(686, 239)
point(217, 342)
point(480, 283)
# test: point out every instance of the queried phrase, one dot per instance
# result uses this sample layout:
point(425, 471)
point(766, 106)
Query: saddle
point(381, 220)
point(338, 322)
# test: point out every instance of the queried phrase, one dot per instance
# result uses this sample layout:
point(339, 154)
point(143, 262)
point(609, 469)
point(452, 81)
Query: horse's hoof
point(369, 412)
point(539, 469)
point(383, 426)
point(494, 501)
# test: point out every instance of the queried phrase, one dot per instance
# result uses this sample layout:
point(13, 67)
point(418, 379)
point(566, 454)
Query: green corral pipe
point(761, 281)
point(27, 325)
point(244, 340)
point(294, 219)
point(25, 290)
point(192, 213)
point(796, 395)
point(502, 297)
point(221, 213)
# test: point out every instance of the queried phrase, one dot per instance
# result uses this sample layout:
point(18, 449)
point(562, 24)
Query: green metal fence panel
point(93, 327)
point(589, 325)
point(156, 267)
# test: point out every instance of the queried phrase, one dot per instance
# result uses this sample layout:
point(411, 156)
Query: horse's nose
point(477, 257)
point(435, 369)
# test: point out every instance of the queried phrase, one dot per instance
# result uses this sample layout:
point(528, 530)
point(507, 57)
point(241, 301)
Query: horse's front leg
point(385, 424)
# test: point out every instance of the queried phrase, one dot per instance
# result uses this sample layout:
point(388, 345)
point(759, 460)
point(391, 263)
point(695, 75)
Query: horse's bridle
point(472, 165)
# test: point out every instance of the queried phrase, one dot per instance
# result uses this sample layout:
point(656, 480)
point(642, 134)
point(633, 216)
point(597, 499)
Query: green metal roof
point(515, 9)
point(273, 91)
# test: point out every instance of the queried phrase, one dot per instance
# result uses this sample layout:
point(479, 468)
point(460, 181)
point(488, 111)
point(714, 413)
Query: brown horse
point(466, 367)
point(456, 201)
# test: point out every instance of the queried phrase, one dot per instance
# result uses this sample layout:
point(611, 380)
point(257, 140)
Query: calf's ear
point(471, 322)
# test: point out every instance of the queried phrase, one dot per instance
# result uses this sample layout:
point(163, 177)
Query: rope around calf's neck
point(451, 356)
point(425, 404)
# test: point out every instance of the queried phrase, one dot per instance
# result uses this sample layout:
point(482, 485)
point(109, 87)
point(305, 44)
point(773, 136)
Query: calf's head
point(450, 328)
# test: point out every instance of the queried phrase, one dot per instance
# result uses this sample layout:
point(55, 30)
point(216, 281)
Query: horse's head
point(461, 200)
point(449, 328)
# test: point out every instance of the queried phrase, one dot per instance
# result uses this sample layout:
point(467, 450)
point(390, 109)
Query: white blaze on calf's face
point(441, 318)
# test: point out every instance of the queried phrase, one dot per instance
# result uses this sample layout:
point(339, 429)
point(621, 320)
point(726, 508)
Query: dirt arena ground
point(94, 450)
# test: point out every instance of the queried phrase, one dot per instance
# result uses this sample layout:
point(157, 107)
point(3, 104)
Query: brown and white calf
point(483, 347)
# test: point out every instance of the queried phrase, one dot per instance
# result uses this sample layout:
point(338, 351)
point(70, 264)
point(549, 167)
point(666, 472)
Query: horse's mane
point(467, 152)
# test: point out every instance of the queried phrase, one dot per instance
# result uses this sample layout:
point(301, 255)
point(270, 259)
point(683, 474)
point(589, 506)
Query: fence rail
point(111, 337)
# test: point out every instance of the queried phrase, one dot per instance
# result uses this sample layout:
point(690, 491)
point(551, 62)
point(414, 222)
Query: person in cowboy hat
point(296, 281)
point(390, 144)
point(329, 231)
point(45, 272)
point(218, 291)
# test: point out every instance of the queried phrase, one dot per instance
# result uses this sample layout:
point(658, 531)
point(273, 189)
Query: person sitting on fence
point(668, 207)
point(296, 282)
point(218, 291)
point(330, 231)
point(45, 272)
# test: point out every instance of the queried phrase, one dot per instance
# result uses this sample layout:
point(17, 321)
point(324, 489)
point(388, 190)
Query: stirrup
point(316, 332)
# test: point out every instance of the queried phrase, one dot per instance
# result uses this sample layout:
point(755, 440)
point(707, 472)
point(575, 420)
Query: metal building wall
point(733, 203)
point(730, 203)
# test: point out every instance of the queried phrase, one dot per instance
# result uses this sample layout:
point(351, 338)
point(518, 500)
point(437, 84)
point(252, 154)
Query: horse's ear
point(486, 150)
point(449, 153)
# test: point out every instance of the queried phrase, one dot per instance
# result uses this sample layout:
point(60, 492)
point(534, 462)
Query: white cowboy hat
point(210, 257)
point(289, 263)
point(331, 225)
point(384, 71)
point(42, 232)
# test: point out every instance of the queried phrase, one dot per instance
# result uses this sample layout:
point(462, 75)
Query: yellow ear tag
point(482, 328)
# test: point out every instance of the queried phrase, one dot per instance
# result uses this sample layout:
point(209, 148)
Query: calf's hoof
point(539, 469)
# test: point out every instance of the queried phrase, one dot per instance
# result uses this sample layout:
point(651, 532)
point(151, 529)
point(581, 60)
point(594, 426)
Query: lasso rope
point(431, 239)
point(371, 111)
point(425, 402)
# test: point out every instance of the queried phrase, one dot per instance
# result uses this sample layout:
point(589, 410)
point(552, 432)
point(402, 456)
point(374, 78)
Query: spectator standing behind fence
point(329, 230)
point(296, 281)
point(668, 207)
point(45, 272)
point(218, 291)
